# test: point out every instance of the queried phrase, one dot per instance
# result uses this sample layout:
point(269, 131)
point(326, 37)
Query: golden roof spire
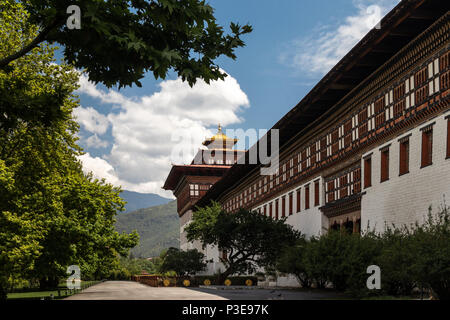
point(219, 136)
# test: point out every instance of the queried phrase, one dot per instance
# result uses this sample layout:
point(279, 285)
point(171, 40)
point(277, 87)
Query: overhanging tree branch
point(33, 44)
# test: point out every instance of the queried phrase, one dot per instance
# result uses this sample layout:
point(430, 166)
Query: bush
point(215, 280)
point(409, 257)
point(292, 261)
point(183, 263)
point(397, 262)
point(431, 242)
point(341, 259)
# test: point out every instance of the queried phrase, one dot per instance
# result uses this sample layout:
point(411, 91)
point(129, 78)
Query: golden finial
point(219, 129)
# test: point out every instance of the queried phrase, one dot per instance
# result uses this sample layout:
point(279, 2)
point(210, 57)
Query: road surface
point(129, 290)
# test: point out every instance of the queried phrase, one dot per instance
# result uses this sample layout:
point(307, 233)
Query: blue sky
point(131, 136)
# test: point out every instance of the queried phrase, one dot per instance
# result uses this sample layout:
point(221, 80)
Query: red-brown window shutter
point(316, 193)
point(367, 172)
point(265, 210)
point(291, 202)
point(298, 200)
point(427, 147)
point(270, 210)
point(448, 137)
point(404, 157)
point(276, 209)
point(384, 165)
point(307, 197)
point(283, 206)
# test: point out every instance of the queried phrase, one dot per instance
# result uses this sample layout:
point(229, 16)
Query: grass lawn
point(37, 295)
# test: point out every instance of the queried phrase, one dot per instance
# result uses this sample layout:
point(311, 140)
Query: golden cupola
point(219, 140)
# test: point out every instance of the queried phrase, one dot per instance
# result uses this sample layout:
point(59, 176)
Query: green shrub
point(183, 263)
point(398, 262)
point(431, 242)
point(292, 261)
point(215, 280)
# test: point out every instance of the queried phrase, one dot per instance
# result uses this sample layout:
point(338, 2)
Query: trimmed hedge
point(409, 257)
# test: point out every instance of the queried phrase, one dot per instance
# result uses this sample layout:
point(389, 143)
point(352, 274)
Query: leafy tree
point(250, 239)
point(182, 262)
point(341, 259)
point(292, 261)
point(33, 89)
point(19, 238)
point(51, 214)
point(397, 261)
point(121, 40)
point(431, 243)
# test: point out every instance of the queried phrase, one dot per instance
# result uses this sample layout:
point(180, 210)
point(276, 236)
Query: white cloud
point(146, 130)
point(319, 52)
point(99, 167)
point(95, 142)
point(91, 120)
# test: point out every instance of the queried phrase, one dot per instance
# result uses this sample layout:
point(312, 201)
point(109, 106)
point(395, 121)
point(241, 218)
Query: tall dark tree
point(182, 262)
point(250, 239)
point(51, 214)
point(119, 41)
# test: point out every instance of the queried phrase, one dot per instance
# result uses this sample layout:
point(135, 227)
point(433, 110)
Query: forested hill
point(158, 228)
point(136, 200)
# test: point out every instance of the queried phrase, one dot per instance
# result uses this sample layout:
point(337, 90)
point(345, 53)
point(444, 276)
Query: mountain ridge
point(157, 226)
point(137, 200)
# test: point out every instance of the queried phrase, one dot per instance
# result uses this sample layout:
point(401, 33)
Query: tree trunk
point(3, 292)
point(48, 283)
point(224, 275)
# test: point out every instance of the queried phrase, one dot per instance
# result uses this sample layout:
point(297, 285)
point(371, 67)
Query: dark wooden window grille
point(316, 193)
point(307, 197)
point(367, 172)
point(404, 156)
point(427, 146)
point(384, 165)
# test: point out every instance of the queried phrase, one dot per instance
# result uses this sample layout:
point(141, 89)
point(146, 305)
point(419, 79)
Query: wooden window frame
point(404, 150)
point(316, 193)
point(277, 210)
point(448, 136)
point(367, 172)
point(299, 198)
point(427, 147)
point(384, 164)
point(307, 191)
point(291, 203)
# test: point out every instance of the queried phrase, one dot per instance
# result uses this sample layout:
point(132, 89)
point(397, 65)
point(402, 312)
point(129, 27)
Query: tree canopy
point(183, 263)
point(119, 41)
point(51, 214)
point(251, 240)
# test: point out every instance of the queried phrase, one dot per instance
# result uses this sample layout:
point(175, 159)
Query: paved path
point(128, 290)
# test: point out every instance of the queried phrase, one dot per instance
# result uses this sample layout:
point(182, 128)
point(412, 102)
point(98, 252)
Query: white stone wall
point(310, 222)
point(404, 199)
point(210, 252)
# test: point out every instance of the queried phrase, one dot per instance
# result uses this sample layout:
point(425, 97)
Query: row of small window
point(390, 105)
point(425, 160)
point(272, 209)
point(194, 189)
point(370, 118)
point(219, 161)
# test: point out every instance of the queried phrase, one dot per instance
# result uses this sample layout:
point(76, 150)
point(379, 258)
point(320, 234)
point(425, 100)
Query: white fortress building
point(369, 145)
